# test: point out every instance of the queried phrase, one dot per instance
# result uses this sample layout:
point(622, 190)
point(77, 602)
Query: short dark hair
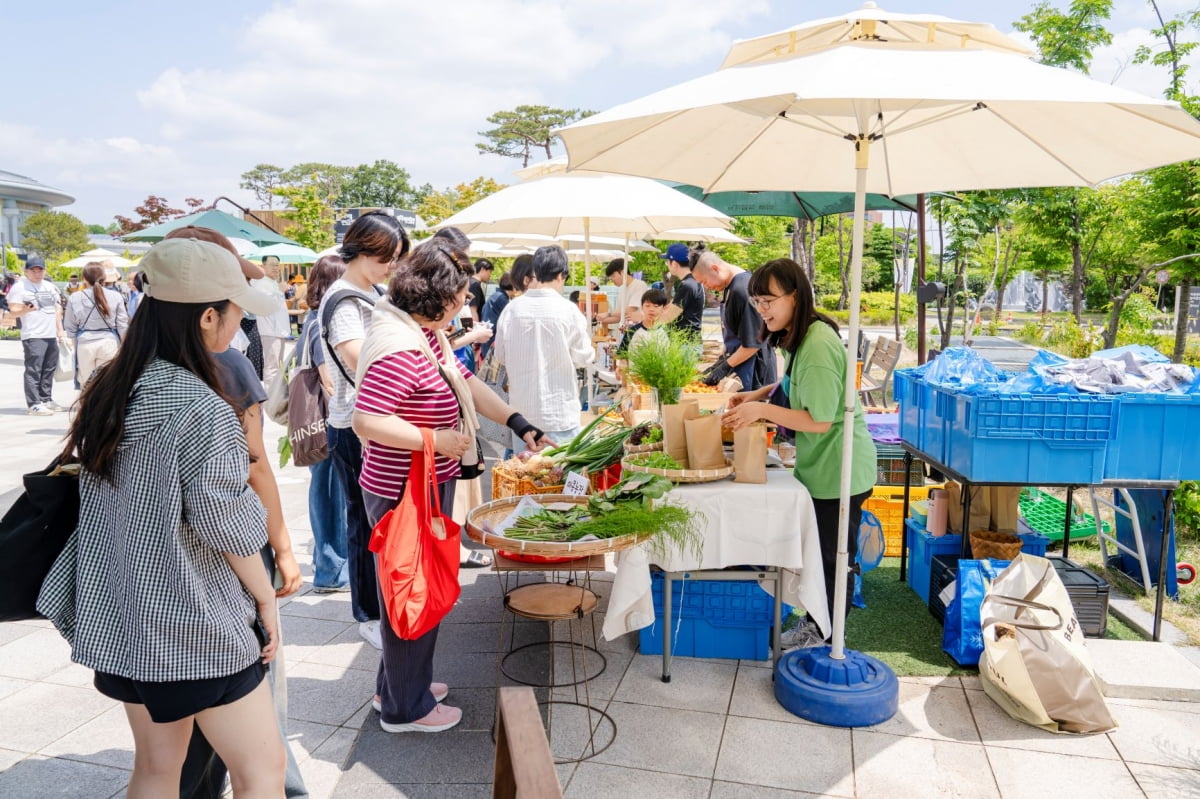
point(522, 271)
point(265, 257)
point(506, 282)
point(549, 262)
point(431, 278)
point(574, 297)
point(375, 234)
point(655, 297)
point(694, 255)
point(614, 266)
point(455, 237)
point(482, 264)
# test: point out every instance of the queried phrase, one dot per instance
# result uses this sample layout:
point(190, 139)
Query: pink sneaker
point(442, 717)
point(439, 690)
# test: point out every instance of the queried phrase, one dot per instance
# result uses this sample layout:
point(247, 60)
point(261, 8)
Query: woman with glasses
point(814, 385)
point(373, 245)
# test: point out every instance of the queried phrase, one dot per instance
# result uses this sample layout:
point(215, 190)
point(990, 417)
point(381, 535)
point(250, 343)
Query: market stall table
point(1169, 486)
point(769, 526)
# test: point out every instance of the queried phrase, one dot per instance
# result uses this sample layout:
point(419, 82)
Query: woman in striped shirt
point(408, 379)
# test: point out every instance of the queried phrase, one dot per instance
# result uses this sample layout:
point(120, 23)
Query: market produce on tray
point(600, 445)
point(628, 507)
point(646, 433)
point(655, 460)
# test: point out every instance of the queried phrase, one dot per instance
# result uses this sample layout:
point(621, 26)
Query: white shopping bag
point(1035, 664)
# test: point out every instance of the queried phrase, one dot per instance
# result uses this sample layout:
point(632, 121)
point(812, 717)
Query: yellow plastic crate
point(887, 503)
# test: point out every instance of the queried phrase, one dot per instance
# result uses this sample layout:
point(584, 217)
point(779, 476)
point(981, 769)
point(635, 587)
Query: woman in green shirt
point(814, 387)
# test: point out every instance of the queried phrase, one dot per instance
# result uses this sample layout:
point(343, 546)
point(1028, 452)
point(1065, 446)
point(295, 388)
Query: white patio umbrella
point(934, 119)
point(107, 257)
point(286, 253)
point(713, 235)
point(561, 205)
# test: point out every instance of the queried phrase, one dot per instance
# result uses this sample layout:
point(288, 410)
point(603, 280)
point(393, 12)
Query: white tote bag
point(1035, 664)
point(66, 361)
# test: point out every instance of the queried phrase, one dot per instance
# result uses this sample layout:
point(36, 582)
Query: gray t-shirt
point(41, 321)
point(349, 322)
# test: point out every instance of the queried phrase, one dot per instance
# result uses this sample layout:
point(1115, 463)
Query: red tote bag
point(418, 549)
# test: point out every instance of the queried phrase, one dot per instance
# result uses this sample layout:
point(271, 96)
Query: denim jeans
point(41, 359)
point(346, 453)
point(327, 516)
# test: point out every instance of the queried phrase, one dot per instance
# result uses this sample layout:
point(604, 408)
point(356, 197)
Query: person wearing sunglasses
point(813, 386)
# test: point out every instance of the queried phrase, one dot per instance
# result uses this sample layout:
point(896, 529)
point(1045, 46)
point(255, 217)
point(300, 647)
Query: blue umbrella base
point(857, 691)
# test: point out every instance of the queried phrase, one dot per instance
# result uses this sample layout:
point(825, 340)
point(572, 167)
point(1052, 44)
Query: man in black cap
point(35, 301)
point(687, 307)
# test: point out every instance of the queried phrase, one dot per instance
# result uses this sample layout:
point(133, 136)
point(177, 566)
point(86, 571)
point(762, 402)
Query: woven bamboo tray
point(633, 449)
point(683, 475)
point(497, 510)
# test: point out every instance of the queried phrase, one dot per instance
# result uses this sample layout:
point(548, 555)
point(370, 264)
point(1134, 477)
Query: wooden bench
point(524, 764)
point(877, 372)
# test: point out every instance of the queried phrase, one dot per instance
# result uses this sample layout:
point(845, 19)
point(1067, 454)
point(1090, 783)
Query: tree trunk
point(844, 299)
point(1045, 294)
point(1183, 301)
point(1077, 271)
point(801, 254)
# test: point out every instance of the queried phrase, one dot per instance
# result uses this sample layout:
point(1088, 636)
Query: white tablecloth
point(748, 524)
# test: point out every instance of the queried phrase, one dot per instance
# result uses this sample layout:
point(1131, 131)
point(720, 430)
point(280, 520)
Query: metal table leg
point(1168, 508)
point(666, 616)
point(908, 459)
point(1067, 523)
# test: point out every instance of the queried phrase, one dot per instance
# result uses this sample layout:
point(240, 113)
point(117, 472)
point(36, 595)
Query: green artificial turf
point(897, 628)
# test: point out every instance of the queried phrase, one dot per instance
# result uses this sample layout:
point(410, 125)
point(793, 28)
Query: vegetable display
point(646, 433)
point(627, 507)
point(598, 446)
point(665, 361)
point(656, 460)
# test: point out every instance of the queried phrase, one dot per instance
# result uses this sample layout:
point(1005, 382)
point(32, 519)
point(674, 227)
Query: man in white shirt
point(275, 327)
point(630, 298)
point(35, 301)
point(542, 338)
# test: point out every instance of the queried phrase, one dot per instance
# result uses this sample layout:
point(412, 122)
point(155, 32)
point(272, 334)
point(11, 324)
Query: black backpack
point(328, 306)
point(33, 533)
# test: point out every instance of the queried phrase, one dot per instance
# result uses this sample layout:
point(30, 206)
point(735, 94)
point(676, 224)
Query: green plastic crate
point(1046, 514)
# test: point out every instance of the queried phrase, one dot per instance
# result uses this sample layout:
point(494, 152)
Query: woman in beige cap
point(163, 593)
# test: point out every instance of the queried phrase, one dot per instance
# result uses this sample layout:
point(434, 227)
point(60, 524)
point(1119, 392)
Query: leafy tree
point(525, 128)
point(768, 237)
point(263, 180)
point(327, 178)
point(1067, 39)
point(54, 234)
point(96, 230)
point(383, 184)
point(153, 211)
point(313, 214)
point(436, 206)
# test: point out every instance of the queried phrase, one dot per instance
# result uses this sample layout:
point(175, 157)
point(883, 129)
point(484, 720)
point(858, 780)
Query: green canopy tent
point(796, 204)
point(219, 221)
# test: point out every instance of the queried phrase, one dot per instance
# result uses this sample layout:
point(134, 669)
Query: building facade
point(21, 198)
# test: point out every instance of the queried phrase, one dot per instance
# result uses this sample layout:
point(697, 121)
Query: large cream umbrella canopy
point(901, 119)
point(106, 257)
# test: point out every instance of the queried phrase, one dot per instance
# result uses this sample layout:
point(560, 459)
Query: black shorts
point(178, 699)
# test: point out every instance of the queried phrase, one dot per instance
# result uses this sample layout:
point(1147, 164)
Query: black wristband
point(516, 423)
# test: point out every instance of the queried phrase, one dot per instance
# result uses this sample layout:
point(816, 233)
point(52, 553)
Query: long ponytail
point(93, 274)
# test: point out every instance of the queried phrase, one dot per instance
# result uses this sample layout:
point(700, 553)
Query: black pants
point(41, 359)
point(406, 667)
point(827, 531)
point(255, 351)
point(346, 453)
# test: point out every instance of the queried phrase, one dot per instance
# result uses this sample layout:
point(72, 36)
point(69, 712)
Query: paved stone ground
point(714, 732)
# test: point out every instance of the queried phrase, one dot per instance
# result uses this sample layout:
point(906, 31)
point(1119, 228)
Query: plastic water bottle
point(939, 511)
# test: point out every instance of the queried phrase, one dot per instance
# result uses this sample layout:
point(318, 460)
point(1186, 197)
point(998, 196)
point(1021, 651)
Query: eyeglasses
point(763, 303)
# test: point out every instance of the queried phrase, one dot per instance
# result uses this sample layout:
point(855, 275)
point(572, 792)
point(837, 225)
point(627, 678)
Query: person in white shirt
point(274, 328)
point(630, 298)
point(542, 339)
point(35, 301)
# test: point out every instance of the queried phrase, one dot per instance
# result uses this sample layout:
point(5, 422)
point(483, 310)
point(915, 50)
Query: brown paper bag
point(750, 454)
point(1003, 501)
point(704, 447)
point(674, 437)
point(981, 513)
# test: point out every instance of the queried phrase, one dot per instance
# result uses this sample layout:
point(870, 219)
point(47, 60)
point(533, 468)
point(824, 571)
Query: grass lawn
point(897, 628)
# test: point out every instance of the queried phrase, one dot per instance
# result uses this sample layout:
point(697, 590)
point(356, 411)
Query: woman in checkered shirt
point(161, 584)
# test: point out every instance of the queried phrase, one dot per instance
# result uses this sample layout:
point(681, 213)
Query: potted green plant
point(665, 360)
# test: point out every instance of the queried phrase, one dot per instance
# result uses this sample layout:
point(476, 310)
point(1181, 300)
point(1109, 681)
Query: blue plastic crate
point(924, 417)
point(1028, 438)
point(923, 548)
point(717, 619)
point(1152, 441)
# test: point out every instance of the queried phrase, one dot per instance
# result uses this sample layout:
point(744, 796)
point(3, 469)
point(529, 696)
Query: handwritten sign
point(576, 485)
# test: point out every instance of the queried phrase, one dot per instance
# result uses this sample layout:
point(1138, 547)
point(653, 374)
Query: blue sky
point(114, 101)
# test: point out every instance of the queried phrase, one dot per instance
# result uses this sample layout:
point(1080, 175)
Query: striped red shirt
point(407, 385)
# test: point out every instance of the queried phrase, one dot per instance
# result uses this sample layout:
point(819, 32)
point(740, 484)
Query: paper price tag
point(576, 485)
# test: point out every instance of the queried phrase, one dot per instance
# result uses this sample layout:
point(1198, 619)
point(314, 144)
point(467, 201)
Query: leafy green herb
point(665, 360)
point(655, 460)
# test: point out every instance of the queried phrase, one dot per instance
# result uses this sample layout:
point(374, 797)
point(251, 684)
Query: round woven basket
point(633, 449)
point(682, 475)
point(990, 544)
point(494, 512)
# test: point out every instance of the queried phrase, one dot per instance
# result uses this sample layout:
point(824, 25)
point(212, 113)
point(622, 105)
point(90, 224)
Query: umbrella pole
point(587, 292)
point(833, 685)
point(624, 279)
